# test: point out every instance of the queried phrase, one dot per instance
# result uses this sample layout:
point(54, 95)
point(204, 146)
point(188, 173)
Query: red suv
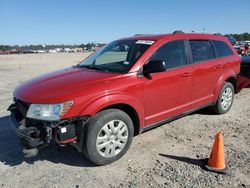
point(128, 86)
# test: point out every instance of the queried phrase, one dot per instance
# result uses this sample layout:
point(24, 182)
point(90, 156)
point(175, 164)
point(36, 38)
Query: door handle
point(186, 74)
point(218, 66)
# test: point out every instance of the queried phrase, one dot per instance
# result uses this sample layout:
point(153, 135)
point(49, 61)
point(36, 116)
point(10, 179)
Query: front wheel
point(225, 99)
point(109, 135)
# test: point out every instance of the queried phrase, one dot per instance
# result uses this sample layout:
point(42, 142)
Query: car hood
point(62, 85)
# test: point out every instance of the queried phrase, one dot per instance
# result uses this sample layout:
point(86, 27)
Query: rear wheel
point(225, 99)
point(109, 135)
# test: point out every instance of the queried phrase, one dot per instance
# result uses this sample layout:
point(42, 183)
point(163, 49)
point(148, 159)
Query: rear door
point(206, 71)
point(168, 93)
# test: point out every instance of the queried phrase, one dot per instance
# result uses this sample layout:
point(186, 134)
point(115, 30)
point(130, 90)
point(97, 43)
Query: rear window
point(222, 48)
point(202, 50)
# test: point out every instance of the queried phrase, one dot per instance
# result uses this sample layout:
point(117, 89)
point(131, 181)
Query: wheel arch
point(128, 110)
point(128, 104)
point(230, 77)
point(233, 81)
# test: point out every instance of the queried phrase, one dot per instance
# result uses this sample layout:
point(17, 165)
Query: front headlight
point(49, 112)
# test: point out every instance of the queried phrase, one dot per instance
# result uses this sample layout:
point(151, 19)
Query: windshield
point(118, 56)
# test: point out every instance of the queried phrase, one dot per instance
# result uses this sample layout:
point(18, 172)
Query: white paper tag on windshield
point(147, 42)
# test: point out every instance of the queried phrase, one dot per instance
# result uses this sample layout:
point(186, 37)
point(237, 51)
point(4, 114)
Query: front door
point(168, 94)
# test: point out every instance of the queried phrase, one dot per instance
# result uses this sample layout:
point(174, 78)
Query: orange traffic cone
point(216, 162)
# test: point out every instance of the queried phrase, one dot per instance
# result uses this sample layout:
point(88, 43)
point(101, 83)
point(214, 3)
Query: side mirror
point(153, 67)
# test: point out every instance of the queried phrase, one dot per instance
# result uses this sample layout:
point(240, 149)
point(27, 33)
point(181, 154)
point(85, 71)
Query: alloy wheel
point(226, 98)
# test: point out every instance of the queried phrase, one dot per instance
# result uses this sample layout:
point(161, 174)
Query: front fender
point(112, 99)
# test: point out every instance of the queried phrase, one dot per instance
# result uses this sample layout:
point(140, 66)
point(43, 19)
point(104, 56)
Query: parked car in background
point(123, 89)
point(231, 39)
point(245, 65)
point(238, 49)
point(247, 42)
point(243, 79)
point(4, 52)
point(14, 51)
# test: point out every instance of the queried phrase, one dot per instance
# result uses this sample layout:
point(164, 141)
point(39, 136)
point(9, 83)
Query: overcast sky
point(78, 21)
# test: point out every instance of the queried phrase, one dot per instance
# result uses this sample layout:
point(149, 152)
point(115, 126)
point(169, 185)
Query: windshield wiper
point(93, 67)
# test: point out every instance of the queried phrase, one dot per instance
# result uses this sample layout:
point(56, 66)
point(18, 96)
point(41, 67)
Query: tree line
point(241, 37)
point(87, 46)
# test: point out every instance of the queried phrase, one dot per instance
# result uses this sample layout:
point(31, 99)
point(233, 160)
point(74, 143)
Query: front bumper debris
point(36, 134)
point(29, 136)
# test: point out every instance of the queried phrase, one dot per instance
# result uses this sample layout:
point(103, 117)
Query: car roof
point(156, 37)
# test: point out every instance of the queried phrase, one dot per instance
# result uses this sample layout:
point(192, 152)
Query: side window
point(222, 48)
point(173, 53)
point(202, 50)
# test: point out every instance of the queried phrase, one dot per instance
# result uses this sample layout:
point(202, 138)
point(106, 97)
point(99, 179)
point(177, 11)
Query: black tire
point(96, 128)
point(219, 108)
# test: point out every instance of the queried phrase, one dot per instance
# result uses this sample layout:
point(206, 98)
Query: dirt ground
point(168, 156)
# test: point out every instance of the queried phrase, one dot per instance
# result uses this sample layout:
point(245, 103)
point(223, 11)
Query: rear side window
point(202, 50)
point(222, 48)
point(172, 53)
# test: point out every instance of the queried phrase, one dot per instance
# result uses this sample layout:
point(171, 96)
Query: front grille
point(22, 106)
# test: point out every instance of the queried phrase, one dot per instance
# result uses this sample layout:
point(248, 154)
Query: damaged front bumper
point(29, 136)
point(39, 134)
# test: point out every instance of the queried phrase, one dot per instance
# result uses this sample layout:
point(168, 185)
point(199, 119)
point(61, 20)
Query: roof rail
point(178, 32)
point(217, 34)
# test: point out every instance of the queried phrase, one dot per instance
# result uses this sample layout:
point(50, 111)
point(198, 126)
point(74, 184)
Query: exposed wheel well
point(232, 80)
point(131, 112)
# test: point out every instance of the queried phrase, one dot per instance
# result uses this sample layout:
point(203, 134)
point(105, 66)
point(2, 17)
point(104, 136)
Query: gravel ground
point(172, 155)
